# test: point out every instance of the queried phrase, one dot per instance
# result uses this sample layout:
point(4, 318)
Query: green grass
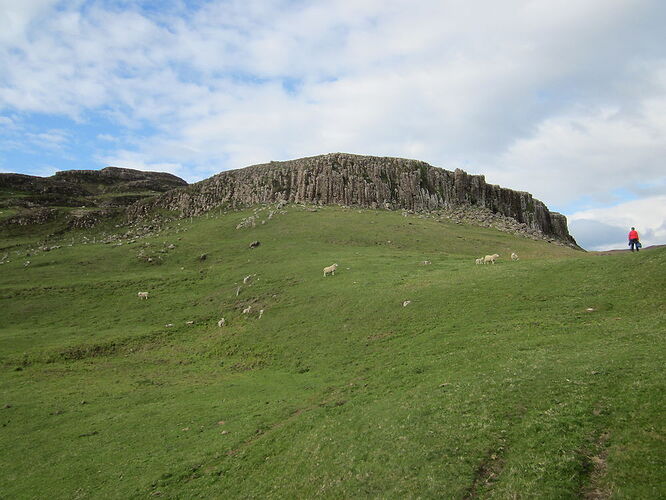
point(6, 213)
point(494, 382)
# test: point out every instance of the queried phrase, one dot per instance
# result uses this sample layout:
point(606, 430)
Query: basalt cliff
point(363, 181)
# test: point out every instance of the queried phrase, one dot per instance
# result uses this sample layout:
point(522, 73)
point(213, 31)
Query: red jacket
point(633, 235)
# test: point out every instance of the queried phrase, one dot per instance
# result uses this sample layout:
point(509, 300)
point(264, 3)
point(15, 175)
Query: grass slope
point(494, 382)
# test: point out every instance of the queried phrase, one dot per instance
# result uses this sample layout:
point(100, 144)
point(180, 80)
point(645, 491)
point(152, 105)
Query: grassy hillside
point(493, 382)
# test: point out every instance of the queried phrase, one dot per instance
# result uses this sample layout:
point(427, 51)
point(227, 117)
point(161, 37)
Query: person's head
point(633, 229)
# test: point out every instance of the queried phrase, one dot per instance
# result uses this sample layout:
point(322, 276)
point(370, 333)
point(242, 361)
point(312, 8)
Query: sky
point(564, 99)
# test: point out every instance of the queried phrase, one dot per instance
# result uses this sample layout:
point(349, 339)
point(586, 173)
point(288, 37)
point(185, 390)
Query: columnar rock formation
point(366, 181)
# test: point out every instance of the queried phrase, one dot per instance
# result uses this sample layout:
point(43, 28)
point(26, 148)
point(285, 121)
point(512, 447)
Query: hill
point(81, 197)
point(370, 182)
point(536, 378)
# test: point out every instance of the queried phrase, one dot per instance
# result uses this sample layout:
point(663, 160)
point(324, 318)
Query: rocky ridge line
point(364, 181)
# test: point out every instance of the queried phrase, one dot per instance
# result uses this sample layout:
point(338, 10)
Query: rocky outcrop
point(115, 179)
point(102, 193)
point(366, 181)
point(70, 188)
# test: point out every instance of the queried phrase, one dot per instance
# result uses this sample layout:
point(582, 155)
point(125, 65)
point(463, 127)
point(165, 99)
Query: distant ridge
point(355, 180)
point(83, 197)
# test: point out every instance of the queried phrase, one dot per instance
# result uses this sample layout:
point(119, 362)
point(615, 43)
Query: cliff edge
point(354, 180)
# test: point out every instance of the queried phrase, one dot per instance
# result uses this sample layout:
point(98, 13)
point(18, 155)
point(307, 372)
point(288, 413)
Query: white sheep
point(221, 323)
point(490, 258)
point(479, 261)
point(247, 310)
point(142, 295)
point(330, 270)
point(514, 256)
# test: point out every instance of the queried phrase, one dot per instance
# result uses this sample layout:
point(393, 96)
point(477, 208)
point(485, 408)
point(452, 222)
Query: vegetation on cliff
point(80, 197)
point(365, 181)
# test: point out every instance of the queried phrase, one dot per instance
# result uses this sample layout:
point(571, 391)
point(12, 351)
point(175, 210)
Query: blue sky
point(566, 100)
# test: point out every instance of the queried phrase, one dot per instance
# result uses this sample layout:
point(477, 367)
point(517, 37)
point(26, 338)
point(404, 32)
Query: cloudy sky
point(565, 99)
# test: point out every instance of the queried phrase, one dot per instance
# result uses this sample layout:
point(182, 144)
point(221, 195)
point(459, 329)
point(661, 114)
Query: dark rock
point(352, 180)
point(109, 188)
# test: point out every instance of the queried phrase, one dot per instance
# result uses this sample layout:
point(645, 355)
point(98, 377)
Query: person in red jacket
point(633, 240)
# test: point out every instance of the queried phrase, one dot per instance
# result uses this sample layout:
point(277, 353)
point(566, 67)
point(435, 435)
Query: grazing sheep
point(247, 310)
point(514, 256)
point(255, 244)
point(426, 262)
point(248, 278)
point(330, 270)
point(261, 313)
point(142, 295)
point(479, 261)
point(406, 303)
point(490, 258)
point(221, 323)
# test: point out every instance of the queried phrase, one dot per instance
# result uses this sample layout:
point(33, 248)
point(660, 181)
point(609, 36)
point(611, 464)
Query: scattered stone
point(168, 325)
point(88, 434)
point(189, 322)
point(590, 309)
point(203, 257)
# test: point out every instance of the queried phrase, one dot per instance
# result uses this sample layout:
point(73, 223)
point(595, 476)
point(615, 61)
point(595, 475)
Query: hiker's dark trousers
point(633, 243)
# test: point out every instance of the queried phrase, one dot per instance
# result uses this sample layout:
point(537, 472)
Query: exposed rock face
point(114, 179)
point(367, 181)
point(102, 192)
point(110, 186)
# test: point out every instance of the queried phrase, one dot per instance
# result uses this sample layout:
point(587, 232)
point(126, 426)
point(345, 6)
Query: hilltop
point(83, 196)
point(370, 182)
point(411, 373)
point(333, 179)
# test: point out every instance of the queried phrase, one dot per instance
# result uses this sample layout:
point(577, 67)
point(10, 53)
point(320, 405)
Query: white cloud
point(139, 161)
point(589, 154)
point(611, 225)
point(15, 17)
